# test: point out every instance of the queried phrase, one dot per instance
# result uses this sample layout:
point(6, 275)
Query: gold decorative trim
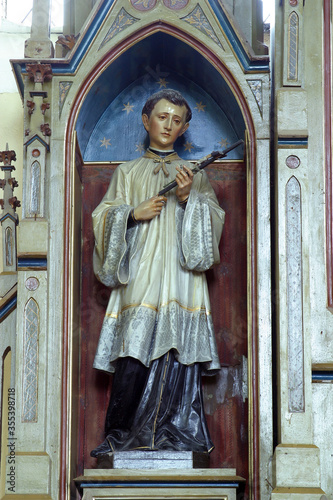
point(115, 315)
point(322, 367)
point(299, 491)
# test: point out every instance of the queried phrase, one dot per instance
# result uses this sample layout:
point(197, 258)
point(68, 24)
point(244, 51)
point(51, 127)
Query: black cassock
point(156, 408)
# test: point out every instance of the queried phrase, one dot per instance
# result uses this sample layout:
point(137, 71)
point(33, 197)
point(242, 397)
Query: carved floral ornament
point(7, 157)
point(68, 41)
point(144, 5)
point(39, 73)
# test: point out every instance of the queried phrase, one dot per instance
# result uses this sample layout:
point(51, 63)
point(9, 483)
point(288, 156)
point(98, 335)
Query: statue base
point(144, 484)
point(158, 459)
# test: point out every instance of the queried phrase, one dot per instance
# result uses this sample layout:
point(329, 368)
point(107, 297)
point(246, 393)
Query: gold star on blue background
point(105, 143)
point(128, 107)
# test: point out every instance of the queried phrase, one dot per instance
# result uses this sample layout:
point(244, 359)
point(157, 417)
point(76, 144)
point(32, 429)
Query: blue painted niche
point(109, 126)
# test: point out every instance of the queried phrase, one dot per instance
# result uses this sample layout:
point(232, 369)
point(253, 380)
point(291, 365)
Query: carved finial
point(7, 157)
point(45, 128)
point(14, 202)
point(39, 73)
point(44, 107)
point(2, 183)
point(31, 107)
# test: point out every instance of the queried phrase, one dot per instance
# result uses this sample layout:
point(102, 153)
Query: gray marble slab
point(154, 460)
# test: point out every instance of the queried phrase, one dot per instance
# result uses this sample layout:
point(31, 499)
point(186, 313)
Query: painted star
point(188, 146)
point(224, 142)
point(162, 83)
point(140, 148)
point(200, 106)
point(128, 107)
point(105, 143)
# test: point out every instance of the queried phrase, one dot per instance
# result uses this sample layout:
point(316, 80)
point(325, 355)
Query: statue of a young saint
point(157, 336)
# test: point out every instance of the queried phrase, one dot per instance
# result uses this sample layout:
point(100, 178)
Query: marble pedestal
point(154, 460)
point(130, 484)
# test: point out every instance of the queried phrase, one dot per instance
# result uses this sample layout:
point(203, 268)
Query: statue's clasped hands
point(152, 207)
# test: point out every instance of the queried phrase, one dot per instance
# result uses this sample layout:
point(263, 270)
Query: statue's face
point(165, 124)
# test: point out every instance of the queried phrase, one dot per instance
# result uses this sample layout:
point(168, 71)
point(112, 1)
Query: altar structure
point(269, 410)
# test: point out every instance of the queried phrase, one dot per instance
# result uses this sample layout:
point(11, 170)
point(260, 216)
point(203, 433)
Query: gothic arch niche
point(98, 101)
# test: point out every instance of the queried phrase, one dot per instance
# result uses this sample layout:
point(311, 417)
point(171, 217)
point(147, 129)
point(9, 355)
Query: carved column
point(39, 44)
point(33, 455)
point(296, 464)
point(8, 203)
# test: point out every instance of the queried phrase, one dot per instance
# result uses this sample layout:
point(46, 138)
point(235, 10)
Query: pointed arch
point(221, 68)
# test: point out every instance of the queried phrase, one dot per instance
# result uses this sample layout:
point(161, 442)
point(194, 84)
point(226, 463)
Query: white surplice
point(159, 299)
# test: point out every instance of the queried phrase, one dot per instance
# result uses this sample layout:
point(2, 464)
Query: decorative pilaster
point(32, 459)
point(39, 44)
point(8, 203)
point(296, 463)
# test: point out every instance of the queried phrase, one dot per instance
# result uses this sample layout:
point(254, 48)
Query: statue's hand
point(150, 208)
point(184, 179)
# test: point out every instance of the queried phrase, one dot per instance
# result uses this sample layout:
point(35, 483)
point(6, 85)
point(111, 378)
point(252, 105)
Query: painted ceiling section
point(109, 126)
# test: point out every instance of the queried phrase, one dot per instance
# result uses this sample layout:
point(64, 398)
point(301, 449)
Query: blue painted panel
point(109, 127)
point(293, 142)
point(322, 376)
point(31, 263)
point(119, 134)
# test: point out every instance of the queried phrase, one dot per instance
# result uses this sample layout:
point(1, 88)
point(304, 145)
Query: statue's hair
point(169, 95)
